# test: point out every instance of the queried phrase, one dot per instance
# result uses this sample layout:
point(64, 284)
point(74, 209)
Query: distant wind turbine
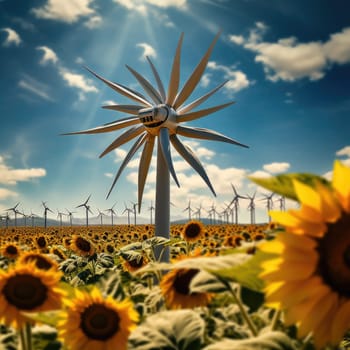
point(112, 211)
point(269, 203)
point(15, 212)
point(70, 214)
point(251, 208)
point(151, 208)
point(46, 209)
point(87, 209)
point(159, 116)
point(189, 209)
point(59, 216)
point(128, 211)
point(100, 214)
point(235, 202)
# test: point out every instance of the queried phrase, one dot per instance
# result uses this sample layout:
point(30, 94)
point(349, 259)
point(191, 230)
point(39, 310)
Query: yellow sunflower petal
point(341, 323)
point(317, 314)
point(329, 205)
point(289, 272)
point(284, 218)
point(299, 311)
point(341, 184)
point(297, 241)
point(322, 334)
point(308, 196)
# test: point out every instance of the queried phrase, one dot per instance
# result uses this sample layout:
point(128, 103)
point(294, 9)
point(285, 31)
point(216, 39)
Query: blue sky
point(288, 66)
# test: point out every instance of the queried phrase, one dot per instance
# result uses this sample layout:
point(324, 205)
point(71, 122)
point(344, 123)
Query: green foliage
point(246, 273)
point(169, 330)
point(267, 341)
point(283, 185)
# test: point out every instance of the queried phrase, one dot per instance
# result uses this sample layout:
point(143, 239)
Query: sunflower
point(92, 322)
point(134, 264)
point(175, 287)
point(10, 250)
point(192, 231)
point(41, 261)
point(24, 287)
point(82, 246)
point(310, 277)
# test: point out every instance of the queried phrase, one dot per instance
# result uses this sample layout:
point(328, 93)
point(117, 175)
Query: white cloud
point(120, 154)
point(237, 79)
point(260, 173)
point(66, 11)
point(148, 50)
point(12, 37)
point(110, 175)
point(237, 39)
point(142, 5)
point(77, 81)
point(345, 151)
point(93, 22)
point(337, 49)
point(5, 193)
point(10, 176)
point(205, 80)
point(289, 60)
point(35, 87)
point(49, 55)
point(276, 167)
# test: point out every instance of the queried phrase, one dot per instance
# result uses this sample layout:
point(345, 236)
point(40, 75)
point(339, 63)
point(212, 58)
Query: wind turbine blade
point(191, 158)
point(116, 125)
point(201, 113)
point(123, 138)
point(123, 90)
point(131, 109)
point(87, 199)
point(158, 80)
point(145, 161)
point(199, 101)
point(127, 159)
point(151, 91)
point(205, 134)
point(165, 147)
point(193, 80)
point(175, 74)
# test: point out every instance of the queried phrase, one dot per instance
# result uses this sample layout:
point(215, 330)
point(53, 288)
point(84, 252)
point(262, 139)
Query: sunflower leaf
point(180, 330)
point(283, 185)
point(272, 340)
point(247, 273)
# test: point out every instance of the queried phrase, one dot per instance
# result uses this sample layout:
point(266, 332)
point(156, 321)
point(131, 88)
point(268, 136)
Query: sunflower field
point(283, 285)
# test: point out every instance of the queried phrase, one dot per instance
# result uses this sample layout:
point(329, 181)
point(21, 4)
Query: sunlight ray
point(131, 109)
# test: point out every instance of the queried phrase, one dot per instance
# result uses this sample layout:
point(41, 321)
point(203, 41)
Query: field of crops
point(101, 287)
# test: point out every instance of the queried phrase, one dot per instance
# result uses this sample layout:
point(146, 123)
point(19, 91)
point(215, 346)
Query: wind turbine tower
point(46, 209)
point(87, 209)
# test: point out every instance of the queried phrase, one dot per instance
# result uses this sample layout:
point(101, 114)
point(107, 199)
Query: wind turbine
point(189, 210)
point(87, 209)
point(282, 201)
point(59, 216)
point(269, 203)
point(134, 205)
point(251, 208)
point(112, 211)
point(15, 212)
point(151, 208)
point(46, 209)
point(32, 216)
point(235, 202)
point(100, 214)
point(159, 117)
point(70, 214)
point(128, 210)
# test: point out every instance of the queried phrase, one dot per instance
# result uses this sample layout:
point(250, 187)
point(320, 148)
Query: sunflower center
point(183, 279)
point(83, 244)
point(334, 250)
point(25, 292)
point(11, 250)
point(41, 242)
point(192, 230)
point(99, 322)
point(137, 262)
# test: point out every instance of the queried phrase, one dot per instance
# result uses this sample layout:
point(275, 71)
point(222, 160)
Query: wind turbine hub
point(158, 116)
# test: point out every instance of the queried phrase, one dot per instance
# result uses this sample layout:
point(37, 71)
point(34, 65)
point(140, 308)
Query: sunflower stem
point(275, 319)
point(22, 339)
point(242, 309)
point(28, 330)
